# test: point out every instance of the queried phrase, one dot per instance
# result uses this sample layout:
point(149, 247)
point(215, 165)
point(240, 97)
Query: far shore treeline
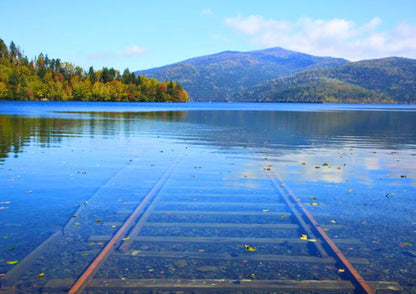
point(51, 79)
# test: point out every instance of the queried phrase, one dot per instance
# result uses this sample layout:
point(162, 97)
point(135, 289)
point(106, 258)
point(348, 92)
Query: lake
point(214, 181)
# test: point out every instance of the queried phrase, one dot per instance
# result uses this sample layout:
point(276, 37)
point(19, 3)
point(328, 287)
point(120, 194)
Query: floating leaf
point(76, 224)
point(317, 167)
point(266, 210)
point(74, 216)
point(283, 216)
point(303, 163)
point(93, 243)
point(126, 239)
point(98, 220)
point(282, 185)
point(334, 222)
point(249, 248)
point(325, 164)
point(350, 191)
point(403, 176)
point(341, 270)
point(10, 248)
point(252, 276)
point(201, 250)
point(314, 203)
point(41, 275)
point(12, 262)
point(304, 237)
point(405, 244)
point(2, 275)
point(267, 168)
point(100, 243)
point(114, 226)
point(312, 240)
point(338, 167)
point(313, 198)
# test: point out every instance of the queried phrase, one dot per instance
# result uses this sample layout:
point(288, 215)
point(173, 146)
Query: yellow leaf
point(249, 248)
point(252, 276)
point(304, 237)
point(12, 262)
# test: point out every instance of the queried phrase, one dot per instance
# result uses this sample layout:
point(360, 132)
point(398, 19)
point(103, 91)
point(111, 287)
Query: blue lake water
point(82, 168)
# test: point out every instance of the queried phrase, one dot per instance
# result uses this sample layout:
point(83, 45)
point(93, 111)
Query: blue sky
point(144, 34)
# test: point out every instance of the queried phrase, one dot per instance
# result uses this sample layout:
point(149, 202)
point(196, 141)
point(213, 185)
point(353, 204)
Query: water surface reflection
point(359, 165)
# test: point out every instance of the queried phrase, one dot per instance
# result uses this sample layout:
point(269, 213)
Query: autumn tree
point(51, 79)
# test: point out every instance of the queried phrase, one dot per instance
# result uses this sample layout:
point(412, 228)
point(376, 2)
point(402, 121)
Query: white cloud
point(130, 51)
point(335, 37)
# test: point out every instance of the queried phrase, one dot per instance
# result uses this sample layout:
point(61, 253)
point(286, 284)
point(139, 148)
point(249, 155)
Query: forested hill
point(51, 79)
point(386, 80)
point(222, 76)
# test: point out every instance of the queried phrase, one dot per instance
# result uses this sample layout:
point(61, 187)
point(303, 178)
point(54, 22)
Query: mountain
point(386, 80)
point(222, 76)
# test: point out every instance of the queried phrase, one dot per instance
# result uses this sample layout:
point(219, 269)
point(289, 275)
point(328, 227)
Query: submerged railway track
point(206, 233)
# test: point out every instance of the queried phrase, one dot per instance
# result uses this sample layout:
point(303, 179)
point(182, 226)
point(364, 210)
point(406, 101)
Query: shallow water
point(358, 162)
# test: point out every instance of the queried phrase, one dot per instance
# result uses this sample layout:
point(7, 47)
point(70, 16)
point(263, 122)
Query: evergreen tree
point(92, 75)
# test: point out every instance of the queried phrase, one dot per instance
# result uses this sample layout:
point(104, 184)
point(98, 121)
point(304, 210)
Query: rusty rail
point(361, 285)
point(80, 283)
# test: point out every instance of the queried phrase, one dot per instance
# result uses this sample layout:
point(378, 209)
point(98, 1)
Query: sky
point(145, 34)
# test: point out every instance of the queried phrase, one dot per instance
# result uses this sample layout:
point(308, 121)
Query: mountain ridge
point(383, 80)
point(219, 76)
point(280, 75)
